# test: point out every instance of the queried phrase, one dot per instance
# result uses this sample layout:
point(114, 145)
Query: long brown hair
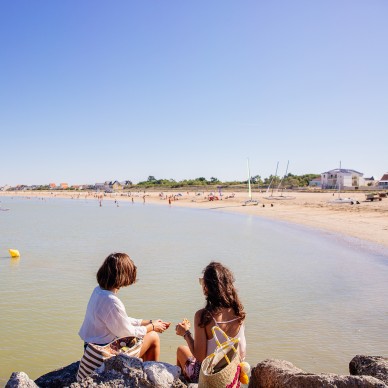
point(221, 293)
point(117, 271)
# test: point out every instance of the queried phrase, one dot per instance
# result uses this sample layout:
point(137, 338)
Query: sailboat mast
point(285, 174)
point(339, 182)
point(276, 174)
point(249, 180)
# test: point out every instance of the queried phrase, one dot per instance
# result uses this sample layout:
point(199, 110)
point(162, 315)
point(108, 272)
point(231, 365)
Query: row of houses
point(347, 178)
point(112, 186)
point(333, 179)
point(108, 186)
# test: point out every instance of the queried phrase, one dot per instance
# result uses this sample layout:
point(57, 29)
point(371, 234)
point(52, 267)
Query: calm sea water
point(312, 298)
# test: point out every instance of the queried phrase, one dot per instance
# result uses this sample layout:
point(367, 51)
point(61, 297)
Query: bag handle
point(229, 344)
point(229, 341)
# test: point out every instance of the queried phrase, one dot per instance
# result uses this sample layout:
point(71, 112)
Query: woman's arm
point(156, 325)
point(198, 346)
point(120, 325)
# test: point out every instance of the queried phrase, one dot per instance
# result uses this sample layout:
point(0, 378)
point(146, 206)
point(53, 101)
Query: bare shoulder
point(198, 315)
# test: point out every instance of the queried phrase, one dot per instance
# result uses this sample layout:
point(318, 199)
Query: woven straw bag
point(219, 369)
point(95, 355)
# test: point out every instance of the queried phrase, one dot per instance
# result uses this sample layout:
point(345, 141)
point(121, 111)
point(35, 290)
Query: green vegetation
point(172, 183)
point(290, 181)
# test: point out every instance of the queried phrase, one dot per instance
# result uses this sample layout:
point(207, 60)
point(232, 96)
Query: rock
point(161, 374)
point(279, 374)
point(126, 371)
point(20, 380)
point(62, 377)
point(375, 366)
point(120, 371)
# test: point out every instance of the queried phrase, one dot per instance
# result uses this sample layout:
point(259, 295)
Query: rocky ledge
point(124, 371)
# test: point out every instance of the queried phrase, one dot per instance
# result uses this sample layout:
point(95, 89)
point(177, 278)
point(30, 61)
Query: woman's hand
point(182, 327)
point(160, 326)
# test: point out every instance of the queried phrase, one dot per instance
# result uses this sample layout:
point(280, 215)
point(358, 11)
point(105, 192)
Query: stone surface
point(161, 374)
point(279, 374)
point(125, 371)
point(20, 380)
point(120, 371)
point(375, 366)
point(59, 378)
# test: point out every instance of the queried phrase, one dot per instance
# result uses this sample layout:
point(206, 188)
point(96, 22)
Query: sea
point(313, 298)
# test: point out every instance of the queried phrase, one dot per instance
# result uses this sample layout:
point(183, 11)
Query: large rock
point(128, 371)
point(161, 373)
point(120, 371)
point(375, 366)
point(62, 377)
point(279, 374)
point(20, 380)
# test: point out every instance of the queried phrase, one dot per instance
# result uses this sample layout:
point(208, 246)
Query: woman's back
point(233, 328)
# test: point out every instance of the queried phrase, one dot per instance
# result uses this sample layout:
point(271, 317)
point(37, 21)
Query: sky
point(97, 90)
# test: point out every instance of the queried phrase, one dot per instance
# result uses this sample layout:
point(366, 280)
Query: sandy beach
point(367, 220)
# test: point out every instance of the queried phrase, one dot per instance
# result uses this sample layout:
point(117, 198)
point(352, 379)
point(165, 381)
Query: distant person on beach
point(106, 318)
point(223, 308)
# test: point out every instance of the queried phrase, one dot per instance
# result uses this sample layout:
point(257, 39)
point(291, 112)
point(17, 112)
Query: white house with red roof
point(343, 178)
point(383, 182)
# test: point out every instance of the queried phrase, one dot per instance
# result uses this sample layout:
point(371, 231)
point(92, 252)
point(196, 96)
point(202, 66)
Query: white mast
point(339, 182)
point(281, 181)
point(249, 181)
point(277, 165)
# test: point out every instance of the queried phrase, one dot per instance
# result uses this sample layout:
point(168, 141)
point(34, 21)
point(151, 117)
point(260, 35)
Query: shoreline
point(366, 221)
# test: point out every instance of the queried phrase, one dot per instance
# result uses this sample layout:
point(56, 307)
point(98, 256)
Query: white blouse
point(106, 319)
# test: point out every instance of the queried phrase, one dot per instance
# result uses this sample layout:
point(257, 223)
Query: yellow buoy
point(14, 252)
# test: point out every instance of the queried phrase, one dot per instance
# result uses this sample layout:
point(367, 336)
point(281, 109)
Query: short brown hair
point(117, 270)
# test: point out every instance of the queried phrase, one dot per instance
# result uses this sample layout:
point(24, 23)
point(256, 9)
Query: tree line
point(289, 181)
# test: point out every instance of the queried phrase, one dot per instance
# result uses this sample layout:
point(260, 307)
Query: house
point(370, 181)
point(52, 185)
point(316, 182)
point(101, 186)
point(105, 187)
point(126, 183)
point(64, 186)
point(343, 178)
point(383, 182)
point(117, 186)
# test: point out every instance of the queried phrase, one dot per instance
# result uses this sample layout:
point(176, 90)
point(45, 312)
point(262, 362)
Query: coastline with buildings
point(365, 220)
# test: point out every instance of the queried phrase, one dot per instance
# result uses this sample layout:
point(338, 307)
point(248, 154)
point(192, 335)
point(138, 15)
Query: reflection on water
point(310, 298)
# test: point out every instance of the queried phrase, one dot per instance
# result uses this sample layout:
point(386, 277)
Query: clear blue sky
point(100, 90)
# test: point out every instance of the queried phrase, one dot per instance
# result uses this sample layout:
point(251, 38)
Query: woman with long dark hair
point(223, 309)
